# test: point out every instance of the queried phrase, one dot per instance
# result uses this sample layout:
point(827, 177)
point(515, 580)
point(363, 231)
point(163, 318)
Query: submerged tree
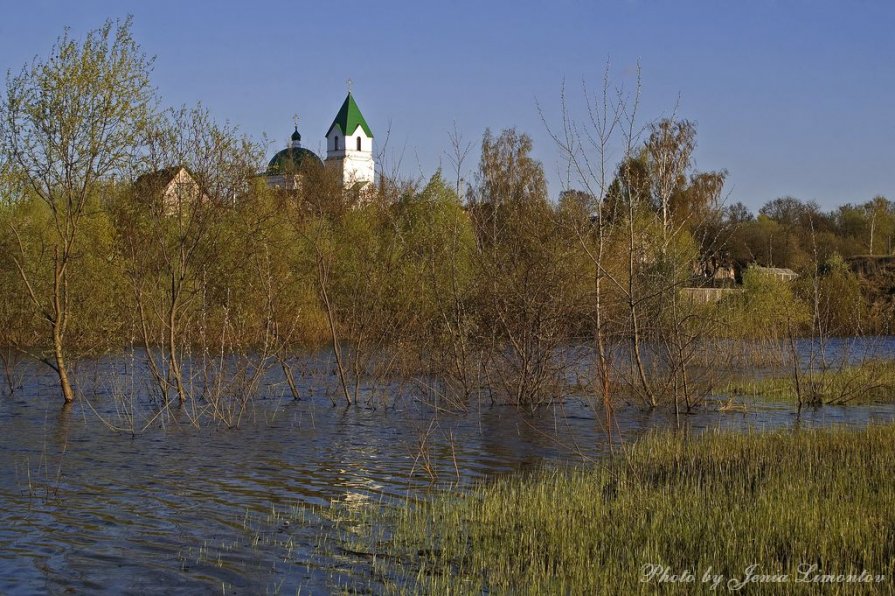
point(173, 229)
point(528, 279)
point(592, 214)
point(67, 124)
point(437, 243)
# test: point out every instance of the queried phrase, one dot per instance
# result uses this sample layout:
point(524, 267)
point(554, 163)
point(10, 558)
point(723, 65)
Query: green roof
point(349, 118)
point(291, 161)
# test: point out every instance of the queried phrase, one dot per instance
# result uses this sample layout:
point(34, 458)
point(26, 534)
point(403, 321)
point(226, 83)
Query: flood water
point(169, 506)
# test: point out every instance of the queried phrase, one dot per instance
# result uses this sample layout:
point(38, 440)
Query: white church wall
point(354, 166)
point(358, 167)
point(348, 143)
point(366, 143)
point(336, 132)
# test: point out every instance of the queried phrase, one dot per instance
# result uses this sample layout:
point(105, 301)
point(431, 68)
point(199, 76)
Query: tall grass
point(782, 501)
point(872, 381)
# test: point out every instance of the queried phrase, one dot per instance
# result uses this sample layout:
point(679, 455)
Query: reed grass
point(869, 382)
point(719, 503)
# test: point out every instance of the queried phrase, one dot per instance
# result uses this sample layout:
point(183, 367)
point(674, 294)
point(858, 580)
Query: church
point(349, 152)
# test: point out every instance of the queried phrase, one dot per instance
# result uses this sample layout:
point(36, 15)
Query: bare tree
point(459, 152)
point(168, 228)
point(589, 149)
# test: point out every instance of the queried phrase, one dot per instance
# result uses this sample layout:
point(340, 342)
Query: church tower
point(349, 146)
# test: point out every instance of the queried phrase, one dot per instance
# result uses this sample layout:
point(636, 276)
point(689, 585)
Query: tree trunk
point(174, 369)
point(60, 313)
point(290, 378)
point(330, 317)
point(632, 309)
point(872, 226)
point(602, 358)
point(67, 393)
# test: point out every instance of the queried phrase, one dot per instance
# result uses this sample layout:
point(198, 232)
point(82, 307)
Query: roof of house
point(779, 271)
point(349, 118)
point(157, 180)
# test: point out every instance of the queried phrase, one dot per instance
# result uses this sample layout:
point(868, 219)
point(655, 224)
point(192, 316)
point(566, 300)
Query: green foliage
point(365, 288)
point(486, 293)
point(73, 118)
point(768, 308)
point(794, 234)
point(835, 293)
point(95, 282)
point(507, 172)
point(438, 244)
point(527, 283)
point(394, 274)
point(67, 124)
point(20, 322)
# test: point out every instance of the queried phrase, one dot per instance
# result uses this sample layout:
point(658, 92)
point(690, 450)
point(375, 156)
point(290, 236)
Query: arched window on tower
point(335, 143)
point(358, 143)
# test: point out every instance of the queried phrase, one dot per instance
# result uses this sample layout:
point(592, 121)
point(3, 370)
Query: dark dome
point(295, 135)
point(291, 160)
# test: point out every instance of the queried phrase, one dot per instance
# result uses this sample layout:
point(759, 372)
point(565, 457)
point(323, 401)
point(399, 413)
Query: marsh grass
point(869, 382)
point(719, 502)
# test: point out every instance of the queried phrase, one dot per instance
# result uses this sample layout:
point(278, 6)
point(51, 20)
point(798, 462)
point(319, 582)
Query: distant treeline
point(791, 233)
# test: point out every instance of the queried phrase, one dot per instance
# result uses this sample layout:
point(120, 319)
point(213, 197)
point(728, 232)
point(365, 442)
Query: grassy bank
point(717, 503)
point(869, 382)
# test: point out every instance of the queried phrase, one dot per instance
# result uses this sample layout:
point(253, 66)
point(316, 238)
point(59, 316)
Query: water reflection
point(83, 508)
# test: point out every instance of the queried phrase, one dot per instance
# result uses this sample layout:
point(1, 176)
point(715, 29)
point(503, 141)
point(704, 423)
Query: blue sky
point(791, 97)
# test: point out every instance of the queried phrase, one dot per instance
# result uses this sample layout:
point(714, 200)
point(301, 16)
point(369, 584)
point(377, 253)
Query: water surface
point(182, 508)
